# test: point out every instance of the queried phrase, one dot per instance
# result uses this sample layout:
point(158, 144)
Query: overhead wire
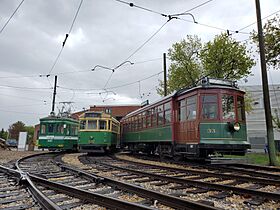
point(7, 22)
point(72, 72)
point(247, 26)
point(200, 5)
point(169, 16)
point(139, 48)
point(28, 113)
point(19, 87)
point(27, 98)
point(110, 88)
point(139, 7)
point(66, 37)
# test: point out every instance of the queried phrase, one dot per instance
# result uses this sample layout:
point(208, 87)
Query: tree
point(30, 133)
point(185, 66)
point(271, 32)
point(222, 58)
point(248, 100)
point(3, 134)
point(226, 59)
point(276, 120)
point(15, 128)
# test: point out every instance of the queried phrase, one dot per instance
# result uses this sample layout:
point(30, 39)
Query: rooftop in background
point(117, 111)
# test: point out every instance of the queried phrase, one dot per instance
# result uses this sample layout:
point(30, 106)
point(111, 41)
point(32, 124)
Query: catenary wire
point(7, 22)
point(139, 48)
point(241, 29)
point(66, 37)
point(200, 5)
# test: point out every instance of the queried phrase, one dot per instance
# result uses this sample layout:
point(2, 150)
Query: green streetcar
point(198, 121)
point(58, 133)
point(99, 132)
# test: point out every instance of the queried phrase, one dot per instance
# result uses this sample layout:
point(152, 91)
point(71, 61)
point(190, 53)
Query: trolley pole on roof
point(164, 74)
point(266, 98)
point(54, 93)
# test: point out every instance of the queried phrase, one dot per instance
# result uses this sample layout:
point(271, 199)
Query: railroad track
point(18, 192)
point(71, 188)
point(210, 188)
point(249, 170)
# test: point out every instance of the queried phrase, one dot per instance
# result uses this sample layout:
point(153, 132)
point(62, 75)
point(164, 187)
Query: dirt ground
point(6, 155)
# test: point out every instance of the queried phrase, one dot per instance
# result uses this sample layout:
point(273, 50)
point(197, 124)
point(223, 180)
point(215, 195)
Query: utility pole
point(54, 93)
point(266, 98)
point(164, 74)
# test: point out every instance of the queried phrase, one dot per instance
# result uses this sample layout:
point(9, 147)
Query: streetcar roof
point(57, 118)
point(184, 91)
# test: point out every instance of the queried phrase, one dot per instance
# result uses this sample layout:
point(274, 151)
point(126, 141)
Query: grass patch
point(255, 158)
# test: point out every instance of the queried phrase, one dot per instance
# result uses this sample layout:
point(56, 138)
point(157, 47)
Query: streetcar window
point(60, 128)
point(240, 108)
point(160, 118)
point(154, 119)
point(140, 123)
point(114, 127)
point(209, 107)
point(182, 111)
point(191, 108)
point(167, 106)
point(109, 124)
point(51, 128)
point(82, 124)
point(102, 124)
point(160, 108)
point(74, 130)
point(67, 129)
point(149, 121)
point(167, 113)
point(43, 129)
point(228, 107)
point(92, 124)
point(92, 114)
point(144, 121)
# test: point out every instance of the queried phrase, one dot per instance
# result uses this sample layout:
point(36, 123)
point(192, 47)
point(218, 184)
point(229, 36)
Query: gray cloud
point(105, 33)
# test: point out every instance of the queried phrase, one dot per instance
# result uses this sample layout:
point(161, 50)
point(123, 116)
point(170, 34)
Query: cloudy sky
point(106, 33)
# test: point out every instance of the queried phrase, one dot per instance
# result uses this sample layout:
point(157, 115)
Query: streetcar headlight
point(236, 126)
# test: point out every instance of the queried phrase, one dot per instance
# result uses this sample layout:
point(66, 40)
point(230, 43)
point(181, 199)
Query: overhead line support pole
point(54, 93)
point(164, 74)
point(266, 97)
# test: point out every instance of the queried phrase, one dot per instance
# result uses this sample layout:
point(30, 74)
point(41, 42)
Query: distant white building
point(256, 126)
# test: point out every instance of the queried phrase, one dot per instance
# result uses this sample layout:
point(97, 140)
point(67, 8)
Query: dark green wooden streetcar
point(58, 133)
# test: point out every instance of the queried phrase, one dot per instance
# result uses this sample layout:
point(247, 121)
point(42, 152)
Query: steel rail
point(273, 196)
point(23, 178)
point(257, 167)
point(220, 175)
point(98, 199)
point(172, 201)
point(34, 155)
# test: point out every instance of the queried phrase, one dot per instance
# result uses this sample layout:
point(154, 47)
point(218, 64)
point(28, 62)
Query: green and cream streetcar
point(99, 132)
point(58, 133)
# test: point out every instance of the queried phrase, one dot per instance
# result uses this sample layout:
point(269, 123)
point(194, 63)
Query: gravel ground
point(231, 202)
point(10, 155)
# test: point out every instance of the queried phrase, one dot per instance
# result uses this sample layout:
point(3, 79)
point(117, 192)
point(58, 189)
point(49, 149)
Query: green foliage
point(18, 127)
point(185, 68)
point(271, 32)
point(3, 134)
point(15, 128)
point(30, 133)
point(248, 100)
point(191, 59)
point(276, 120)
point(225, 58)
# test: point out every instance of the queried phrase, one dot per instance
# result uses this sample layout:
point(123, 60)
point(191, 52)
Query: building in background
point(256, 126)
point(117, 111)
